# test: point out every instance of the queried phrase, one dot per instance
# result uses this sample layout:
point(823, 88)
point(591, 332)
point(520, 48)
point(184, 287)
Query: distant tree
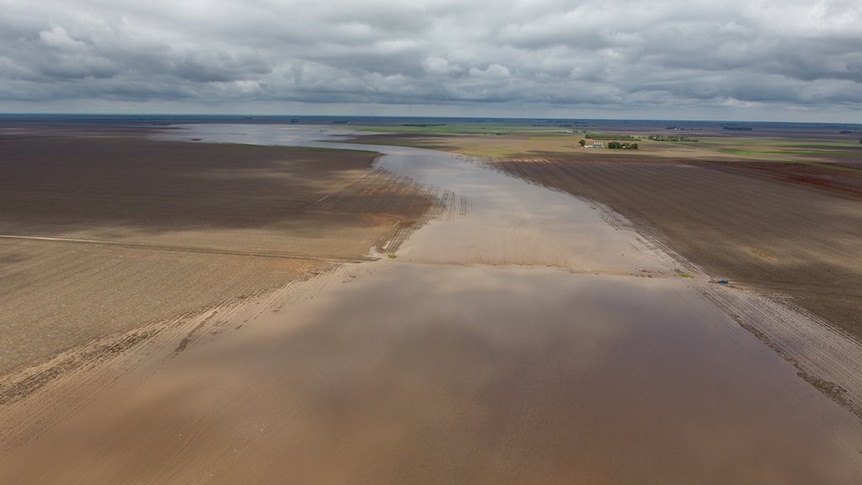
point(634, 146)
point(583, 142)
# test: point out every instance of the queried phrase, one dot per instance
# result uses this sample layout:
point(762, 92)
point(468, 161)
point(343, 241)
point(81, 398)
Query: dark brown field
point(101, 235)
point(783, 228)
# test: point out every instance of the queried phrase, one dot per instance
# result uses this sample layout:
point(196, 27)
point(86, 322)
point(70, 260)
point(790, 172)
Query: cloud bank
point(787, 59)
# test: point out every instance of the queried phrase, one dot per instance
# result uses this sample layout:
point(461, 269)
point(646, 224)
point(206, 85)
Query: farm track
point(189, 249)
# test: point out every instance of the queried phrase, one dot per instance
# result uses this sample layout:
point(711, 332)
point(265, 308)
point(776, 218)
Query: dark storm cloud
point(692, 54)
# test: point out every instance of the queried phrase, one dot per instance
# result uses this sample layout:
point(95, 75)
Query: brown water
point(519, 341)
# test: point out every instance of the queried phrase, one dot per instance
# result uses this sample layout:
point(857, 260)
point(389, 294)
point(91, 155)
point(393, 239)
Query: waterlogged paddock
point(519, 338)
point(101, 235)
point(415, 373)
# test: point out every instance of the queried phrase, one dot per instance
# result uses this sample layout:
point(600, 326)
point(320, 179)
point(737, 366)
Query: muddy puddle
point(518, 338)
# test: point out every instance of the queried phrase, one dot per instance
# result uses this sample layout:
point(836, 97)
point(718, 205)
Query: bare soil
point(786, 228)
point(709, 204)
point(452, 371)
point(792, 225)
point(392, 372)
point(103, 234)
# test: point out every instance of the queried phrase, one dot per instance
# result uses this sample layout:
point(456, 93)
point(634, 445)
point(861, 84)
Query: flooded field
point(523, 336)
point(747, 223)
point(103, 233)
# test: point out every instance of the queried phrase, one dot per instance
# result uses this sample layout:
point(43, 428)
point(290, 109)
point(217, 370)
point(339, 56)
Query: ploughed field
point(517, 338)
point(759, 227)
point(522, 336)
point(102, 235)
point(778, 211)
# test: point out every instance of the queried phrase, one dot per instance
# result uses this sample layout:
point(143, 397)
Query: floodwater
point(519, 338)
point(496, 220)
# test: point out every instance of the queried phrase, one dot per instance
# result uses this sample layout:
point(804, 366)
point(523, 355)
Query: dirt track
point(763, 230)
point(101, 235)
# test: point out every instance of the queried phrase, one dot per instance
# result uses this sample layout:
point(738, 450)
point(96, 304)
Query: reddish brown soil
point(841, 179)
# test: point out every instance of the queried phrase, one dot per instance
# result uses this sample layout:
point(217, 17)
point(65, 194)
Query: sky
point(787, 60)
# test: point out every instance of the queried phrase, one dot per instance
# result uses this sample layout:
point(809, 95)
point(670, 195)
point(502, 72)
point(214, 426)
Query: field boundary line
point(188, 249)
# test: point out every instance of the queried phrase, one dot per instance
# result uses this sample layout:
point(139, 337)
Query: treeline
point(599, 136)
point(615, 145)
point(671, 138)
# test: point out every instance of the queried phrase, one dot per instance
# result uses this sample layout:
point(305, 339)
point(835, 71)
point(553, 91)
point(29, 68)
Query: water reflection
point(508, 222)
point(451, 366)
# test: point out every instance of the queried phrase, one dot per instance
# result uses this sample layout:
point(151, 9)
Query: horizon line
point(484, 118)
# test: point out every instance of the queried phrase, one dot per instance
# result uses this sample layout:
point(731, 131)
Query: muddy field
point(758, 228)
point(101, 235)
point(517, 338)
point(779, 210)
